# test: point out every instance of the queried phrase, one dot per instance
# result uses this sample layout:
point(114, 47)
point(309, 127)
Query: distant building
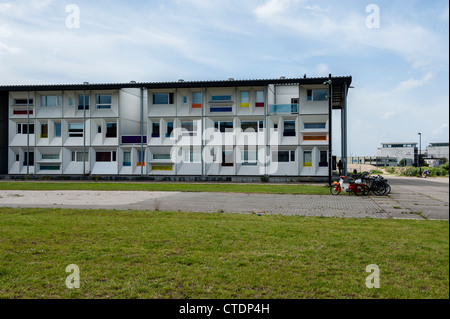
point(438, 153)
point(399, 151)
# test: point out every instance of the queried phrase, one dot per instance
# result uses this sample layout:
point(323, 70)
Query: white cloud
point(441, 129)
point(413, 83)
point(323, 69)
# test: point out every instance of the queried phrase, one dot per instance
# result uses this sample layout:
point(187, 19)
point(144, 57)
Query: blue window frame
point(311, 126)
point(83, 100)
point(103, 101)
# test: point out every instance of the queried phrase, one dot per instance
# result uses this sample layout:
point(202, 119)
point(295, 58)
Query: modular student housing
point(209, 129)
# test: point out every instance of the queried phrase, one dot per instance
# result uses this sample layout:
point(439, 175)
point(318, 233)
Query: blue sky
point(400, 70)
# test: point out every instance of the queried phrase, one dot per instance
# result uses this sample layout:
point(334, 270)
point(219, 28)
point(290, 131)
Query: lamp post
point(420, 147)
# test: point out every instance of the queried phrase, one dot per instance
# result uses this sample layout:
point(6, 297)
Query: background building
point(398, 151)
point(437, 154)
point(279, 127)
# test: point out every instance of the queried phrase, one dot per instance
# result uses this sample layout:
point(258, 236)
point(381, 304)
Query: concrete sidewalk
point(306, 205)
point(411, 198)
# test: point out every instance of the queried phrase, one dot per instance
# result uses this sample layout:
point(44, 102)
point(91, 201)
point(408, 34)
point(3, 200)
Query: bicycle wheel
point(335, 189)
point(387, 189)
point(379, 189)
point(359, 190)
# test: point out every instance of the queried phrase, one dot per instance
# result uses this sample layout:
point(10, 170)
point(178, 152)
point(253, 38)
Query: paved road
point(410, 198)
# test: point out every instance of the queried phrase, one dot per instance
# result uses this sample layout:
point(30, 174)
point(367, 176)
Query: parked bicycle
point(377, 184)
point(337, 187)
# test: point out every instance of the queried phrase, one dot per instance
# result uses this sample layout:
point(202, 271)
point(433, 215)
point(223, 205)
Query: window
point(197, 100)
point(76, 129)
point(323, 159)
point(71, 101)
point(275, 127)
point(23, 102)
point(189, 128)
point(221, 109)
point(77, 156)
point(161, 156)
point(185, 99)
point(317, 95)
point(155, 129)
point(22, 128)
point(17, 157)
point(312, 126)
point(50, 167)
point(83, 100)
point(307, 158)
point(245, 101)
point(103, 101)
point(111, 130)
point(44, 131)
point(227, 157)
point(223, 126)
point(249, 126)
point(99, 129)
point(313, 138)
point(50, 156)
point(289, 128)
point(169, 129)
point(57, 129)
point(259, 99)
point(294, 105)
point(221, 98)
point(22, 112)
point(126, 158)
point(250, 157)
point(30, 157)
point(51, 100)
point(167, 167)
point(283, 156)
point(109, 156)
point(163, 98)
point(141, 158)
point(192, 156)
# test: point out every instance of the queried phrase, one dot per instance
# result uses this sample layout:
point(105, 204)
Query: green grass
point(175, 187)
point(144, 254)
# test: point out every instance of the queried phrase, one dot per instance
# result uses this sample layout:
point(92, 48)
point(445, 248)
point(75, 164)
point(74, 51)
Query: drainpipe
point(202, 131)
point(330, 133)
point(28, 132)
point(84, 133)
point(142, 130)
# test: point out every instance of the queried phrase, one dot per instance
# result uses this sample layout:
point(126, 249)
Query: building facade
point(279, 127)
point(437, 154)
point(399, 151)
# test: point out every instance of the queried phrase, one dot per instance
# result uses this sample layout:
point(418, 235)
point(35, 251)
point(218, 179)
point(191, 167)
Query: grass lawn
point(319, 189)
point(145, 254)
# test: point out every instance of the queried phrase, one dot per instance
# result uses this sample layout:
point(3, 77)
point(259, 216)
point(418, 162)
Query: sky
point(396, 51)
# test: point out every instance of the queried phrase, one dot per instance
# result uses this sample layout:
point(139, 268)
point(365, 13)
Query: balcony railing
point(133, 139)
point(283, 108)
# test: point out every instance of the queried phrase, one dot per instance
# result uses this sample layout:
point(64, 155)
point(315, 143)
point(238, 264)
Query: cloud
point(441, 129)
point(413, 83)
point(339, 28)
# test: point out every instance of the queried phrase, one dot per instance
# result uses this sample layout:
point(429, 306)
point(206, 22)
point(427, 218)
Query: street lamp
point(420, 147)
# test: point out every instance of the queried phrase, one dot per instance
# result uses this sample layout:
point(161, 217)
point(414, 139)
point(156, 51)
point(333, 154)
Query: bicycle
point(378, 185)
